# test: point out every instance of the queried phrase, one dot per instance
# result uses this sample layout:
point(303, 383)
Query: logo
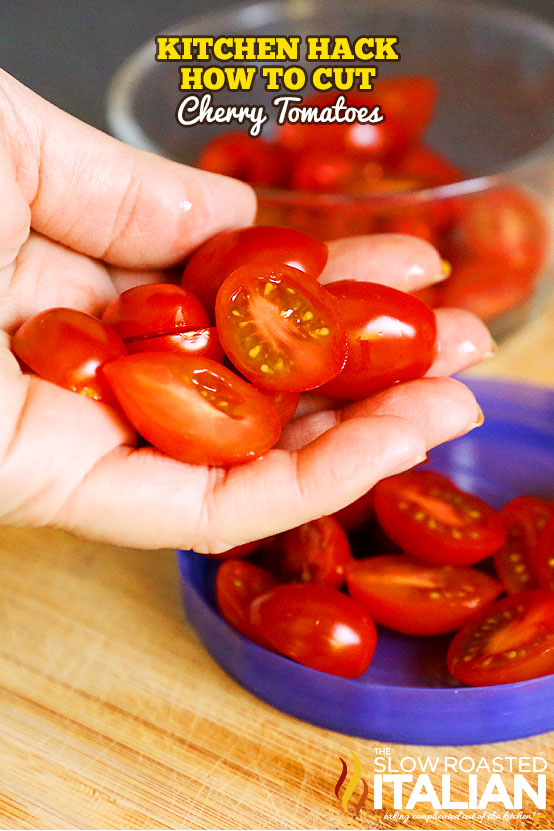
point(351, 786)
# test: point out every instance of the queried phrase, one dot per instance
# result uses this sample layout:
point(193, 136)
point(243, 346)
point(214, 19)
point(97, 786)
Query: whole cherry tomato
point(390, 338)
point(279, 327)
point(542, 555)
point(524, 518)
point(193, 409)
point(203, 343)
point(357, 513)
point(485, 287)
point(316, 626)
point(244, 157)
point(315, 552)
point(219, 256)
point(322, 170)
point(419, 599)
point(432, 168)
point(237, 584)
point(68, 347)
point(430, 518)
point(512, 640)
point(157, 309)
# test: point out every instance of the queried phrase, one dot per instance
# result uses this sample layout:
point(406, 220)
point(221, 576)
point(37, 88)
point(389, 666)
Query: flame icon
point(352, 785)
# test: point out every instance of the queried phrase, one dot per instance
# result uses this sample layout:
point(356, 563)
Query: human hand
point(106, 217)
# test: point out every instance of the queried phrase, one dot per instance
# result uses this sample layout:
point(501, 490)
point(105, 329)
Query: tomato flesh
point(203, 343)
point(542, 555)
point(512, 640)
point(157, 309)
point(524, 518)
point(279, 328)
point(237, 585)
point(390, 338)
point(219, 256)
point(193, 409)
point(68, 348)
point(418, 599)
point(316, 626)
point(433, 520)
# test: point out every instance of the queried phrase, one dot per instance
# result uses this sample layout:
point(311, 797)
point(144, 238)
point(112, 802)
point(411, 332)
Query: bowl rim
point(123, 125)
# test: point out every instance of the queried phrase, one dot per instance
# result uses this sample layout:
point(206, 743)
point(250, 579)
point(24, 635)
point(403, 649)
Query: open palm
point(105, 217)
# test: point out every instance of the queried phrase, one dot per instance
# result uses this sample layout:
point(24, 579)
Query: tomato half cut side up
point(316, 626)
point(237, 584)
point(409, 596)
point(193, 409)
point(524, 518)
point(543, 556)
point(512, 640)
point(431, 519)
point(279, 328)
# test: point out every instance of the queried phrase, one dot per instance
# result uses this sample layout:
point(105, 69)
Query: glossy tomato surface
point(193, 409)
point(219, 256)
point(512, 640)
point(244, 157)
point(203, 343)
point(316, 626)
point(524, 518)
point(279, 328)
point(430, 518)
point(390, 338)
point(68, 347)
point(409, 596)
point(157, 309)
point(237, 585)
point(315, 552)
point(284, 402)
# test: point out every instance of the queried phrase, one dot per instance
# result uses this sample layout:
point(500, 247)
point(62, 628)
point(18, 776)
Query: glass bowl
point(494, 69)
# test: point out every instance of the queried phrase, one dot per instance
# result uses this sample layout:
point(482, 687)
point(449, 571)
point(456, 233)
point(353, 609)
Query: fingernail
point(492, 351)
point(416, 460)
point(480, 420)
point(446, 271)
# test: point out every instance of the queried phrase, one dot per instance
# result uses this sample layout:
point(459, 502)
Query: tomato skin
point(281, 348)
point(542, 556)
point(237, 584)
point(432, 168)
point(219, 256)
point(485, 287)
point(315, 552)
point(524, 518)
point(175, 403)
point(316, 626)
point(68, 347)
point(157, 309)
point(390, 338)
point(318, 170)
point(512, 640)
point(203, 343)
point(433, 520)
point(409, 596)
point(284, 403)
point(357, 513)
point(247, 158)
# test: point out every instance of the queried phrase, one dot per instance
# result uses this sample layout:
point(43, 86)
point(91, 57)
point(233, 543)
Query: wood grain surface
point(113, 716)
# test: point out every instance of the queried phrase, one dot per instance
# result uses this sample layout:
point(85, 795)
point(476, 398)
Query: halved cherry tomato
point(418, 599)
point(68, 347)
point(390, 338)
point(355, 514)
point(326, 171)
point(284, 403)
point(203, 343)
point(193, 409)
point(524, 518)
point(237, 584)
point(542, 555)
point(244, 157)
point(316, 626)
point(512, 640)
point(279, 327)
point(219, 256)
point(157, 309)
point(430, 518)
point(316, 552)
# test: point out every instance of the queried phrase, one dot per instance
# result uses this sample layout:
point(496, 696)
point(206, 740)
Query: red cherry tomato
point(279, 328)
point(219, 256)
point(524, 518)
point(430, 518)
point(390, 338)
point(485, 287)
point(237, 584)
point(418, 599)
point(203, 343)
point(409, 100)
point(432, 168)
point(357, 513)
point(193, 409)
point(316, 552)
point(512, 640)
point(244, 157)
point(326, 171)
point(158, 309)
point(68, 348)
point(284, 403)
point(316, 626)
point(542, 555)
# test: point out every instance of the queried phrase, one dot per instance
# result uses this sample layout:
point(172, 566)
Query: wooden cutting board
point(113, 716)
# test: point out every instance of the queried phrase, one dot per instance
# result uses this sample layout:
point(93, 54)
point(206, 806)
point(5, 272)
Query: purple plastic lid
point(407, 694)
